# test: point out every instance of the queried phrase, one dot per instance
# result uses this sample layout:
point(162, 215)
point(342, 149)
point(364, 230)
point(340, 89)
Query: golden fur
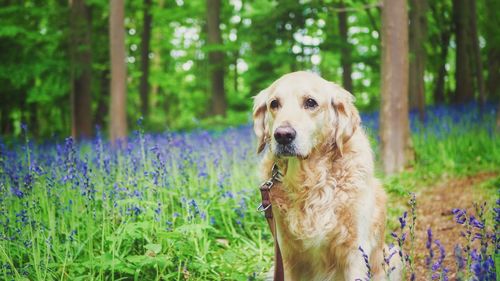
point(329, 202)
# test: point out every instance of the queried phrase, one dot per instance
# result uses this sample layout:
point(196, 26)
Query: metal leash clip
point(268, 184)
point(262, 209)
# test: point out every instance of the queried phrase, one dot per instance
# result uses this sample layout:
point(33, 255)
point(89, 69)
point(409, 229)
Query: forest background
point(187, 64)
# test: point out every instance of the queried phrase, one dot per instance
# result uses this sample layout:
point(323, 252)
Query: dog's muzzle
point(284, 136)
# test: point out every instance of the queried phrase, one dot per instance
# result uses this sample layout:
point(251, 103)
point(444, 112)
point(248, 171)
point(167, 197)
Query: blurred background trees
point(185, 64)
point(394, 119)
point(118, 104)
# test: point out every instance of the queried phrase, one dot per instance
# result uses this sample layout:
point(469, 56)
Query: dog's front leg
point(356, 267)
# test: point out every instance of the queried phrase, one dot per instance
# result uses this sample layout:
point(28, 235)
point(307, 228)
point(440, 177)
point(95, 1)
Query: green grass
point(172, 206)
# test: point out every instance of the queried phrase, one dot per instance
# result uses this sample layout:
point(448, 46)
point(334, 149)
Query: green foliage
point(261, 41)
point(34, 69)
point(175, 206)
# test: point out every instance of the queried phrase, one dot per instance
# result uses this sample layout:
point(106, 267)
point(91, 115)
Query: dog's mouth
point(288, 150)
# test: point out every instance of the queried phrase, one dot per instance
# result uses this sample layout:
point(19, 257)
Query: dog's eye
point(275, 104)
point(310, 104)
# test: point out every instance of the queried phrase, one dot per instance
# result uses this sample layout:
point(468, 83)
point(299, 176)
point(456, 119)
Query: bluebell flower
point(402, 220)
point(72, 235)
point(459, 259)
point(17, 192)
point(475, 223)
point(460, 215)
point(228, 194)
point(483, 266)
point(367, 263)
point(428, 245)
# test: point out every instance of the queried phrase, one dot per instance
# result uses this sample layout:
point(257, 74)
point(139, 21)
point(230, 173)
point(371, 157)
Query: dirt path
point(434, 205)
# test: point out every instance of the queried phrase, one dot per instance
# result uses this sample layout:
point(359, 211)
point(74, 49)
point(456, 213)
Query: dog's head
point(301, 112)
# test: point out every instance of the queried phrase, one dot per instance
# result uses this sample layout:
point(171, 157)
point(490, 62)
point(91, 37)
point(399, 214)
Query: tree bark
point(492, 48)
point(394, 129)
point(443, 43)
point(118, 119)
point(418, 26)
point(345, 48)
point(103, 100)
point(157, 63)
point(33, 119)
point(478, 64)
point(4, 121)
point(145, 43)
point(235, 71)
point(494, 73)
point(493, 85)
point(81, 70)
point(439, 90)
point(498, 119)
point(216, 58)
point(464, 90)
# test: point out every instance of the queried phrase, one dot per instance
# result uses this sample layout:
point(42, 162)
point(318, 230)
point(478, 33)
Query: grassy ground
point(178, 206)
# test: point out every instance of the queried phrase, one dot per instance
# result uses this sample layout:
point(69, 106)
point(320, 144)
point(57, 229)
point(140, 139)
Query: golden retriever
point(328, 203)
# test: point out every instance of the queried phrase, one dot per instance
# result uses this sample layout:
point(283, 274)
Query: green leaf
point(155, 248)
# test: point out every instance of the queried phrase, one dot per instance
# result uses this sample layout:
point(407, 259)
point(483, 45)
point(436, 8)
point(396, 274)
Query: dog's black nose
point(284, 134)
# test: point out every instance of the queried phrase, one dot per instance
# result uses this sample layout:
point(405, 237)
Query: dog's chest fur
point(314, 219)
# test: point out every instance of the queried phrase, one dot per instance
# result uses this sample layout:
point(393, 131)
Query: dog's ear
point(259, 119)
point(347, 118)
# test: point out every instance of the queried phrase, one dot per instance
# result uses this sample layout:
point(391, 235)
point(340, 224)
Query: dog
point(328, 203)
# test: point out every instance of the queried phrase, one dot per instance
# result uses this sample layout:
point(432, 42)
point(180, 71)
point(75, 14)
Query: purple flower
point(158, 208)
point(460, 215)
point(483, 266)
point(428, 245)
point(475, 223)
point(367, 263)
point(496, 210)
point(17, 192)
point(459, 258)
point(402, 220)
point(72, 235)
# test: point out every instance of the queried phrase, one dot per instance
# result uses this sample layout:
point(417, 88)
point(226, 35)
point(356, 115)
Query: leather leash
point(266, 207)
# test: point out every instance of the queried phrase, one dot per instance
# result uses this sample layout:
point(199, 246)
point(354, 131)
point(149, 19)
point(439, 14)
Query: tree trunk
point(439, 90)
point(493, 85)
point(103, 100)
point(157, 64)
point(145, 42)
point(5, 123)
point(235, 71)
point(464, 90)
point(445, 32)
point(118, 119)
point(492, 48)
point(33, 119)
point(418, 26)
point(498, 119)
point(216, 58)
point(394, 129)
point(345, 48)
point(478, 64)
point(81, 70)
